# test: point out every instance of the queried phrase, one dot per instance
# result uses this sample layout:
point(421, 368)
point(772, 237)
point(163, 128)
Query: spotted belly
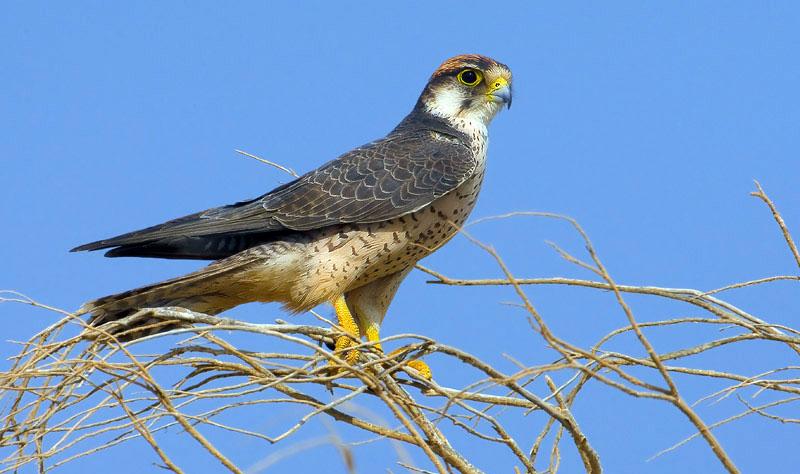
point(339, 259)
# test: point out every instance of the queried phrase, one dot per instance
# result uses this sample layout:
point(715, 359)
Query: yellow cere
point(498, 83)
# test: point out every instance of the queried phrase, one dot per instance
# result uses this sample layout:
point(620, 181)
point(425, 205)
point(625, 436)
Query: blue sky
point(645, 121)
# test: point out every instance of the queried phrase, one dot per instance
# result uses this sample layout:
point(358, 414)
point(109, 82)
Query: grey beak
point(503, 95)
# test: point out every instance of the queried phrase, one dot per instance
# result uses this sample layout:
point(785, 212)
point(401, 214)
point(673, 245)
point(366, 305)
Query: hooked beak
point(500, 91)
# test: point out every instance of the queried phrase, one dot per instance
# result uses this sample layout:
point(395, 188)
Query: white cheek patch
point(449, 103)
point(446, 102)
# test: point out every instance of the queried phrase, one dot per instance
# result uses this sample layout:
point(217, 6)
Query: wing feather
point(383, 180)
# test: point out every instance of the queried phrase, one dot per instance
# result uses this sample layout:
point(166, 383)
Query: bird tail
point(208, 290)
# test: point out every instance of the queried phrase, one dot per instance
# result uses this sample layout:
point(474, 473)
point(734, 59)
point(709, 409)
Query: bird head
point(468, 90)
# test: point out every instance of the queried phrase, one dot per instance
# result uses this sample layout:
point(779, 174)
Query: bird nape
point(346, 233)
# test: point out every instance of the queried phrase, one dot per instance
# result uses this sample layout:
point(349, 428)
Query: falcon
point(346, 233)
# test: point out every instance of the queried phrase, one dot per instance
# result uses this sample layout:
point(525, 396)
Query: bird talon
point(421, 367)
point(342, 343)
point(416, 364)
point(351, 357)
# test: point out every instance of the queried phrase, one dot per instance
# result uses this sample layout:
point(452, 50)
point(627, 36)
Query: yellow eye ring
point(470, 77)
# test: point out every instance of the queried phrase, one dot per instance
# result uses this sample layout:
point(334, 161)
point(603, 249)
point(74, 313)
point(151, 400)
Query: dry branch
point(68, 396)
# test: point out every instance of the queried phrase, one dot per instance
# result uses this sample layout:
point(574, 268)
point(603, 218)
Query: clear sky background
point(646, 121)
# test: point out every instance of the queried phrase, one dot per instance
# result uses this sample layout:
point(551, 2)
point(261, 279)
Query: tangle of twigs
point(67, 396)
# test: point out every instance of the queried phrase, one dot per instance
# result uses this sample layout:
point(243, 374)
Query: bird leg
point(372, 331)
point(348, 323)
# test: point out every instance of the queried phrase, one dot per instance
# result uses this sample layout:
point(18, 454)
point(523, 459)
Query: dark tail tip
point(101, 244)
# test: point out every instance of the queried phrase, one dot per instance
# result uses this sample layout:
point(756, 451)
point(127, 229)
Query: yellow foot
point(415, 364)
point(342, 343)
point(348, 323)
point(421, 367)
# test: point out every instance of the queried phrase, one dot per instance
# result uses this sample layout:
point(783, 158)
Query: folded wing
point(379, 181)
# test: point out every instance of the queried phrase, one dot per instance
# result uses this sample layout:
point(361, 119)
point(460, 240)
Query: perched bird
point(347, 233)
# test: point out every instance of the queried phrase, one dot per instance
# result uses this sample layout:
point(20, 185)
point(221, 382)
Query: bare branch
point(73, 390)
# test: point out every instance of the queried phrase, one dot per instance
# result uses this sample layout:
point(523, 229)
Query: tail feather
point(210, 290)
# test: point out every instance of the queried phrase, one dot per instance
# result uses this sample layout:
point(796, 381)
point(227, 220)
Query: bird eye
point(469, 77)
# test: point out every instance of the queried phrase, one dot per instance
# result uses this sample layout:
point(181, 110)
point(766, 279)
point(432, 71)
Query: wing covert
point(385, 179)
point(378, 182)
